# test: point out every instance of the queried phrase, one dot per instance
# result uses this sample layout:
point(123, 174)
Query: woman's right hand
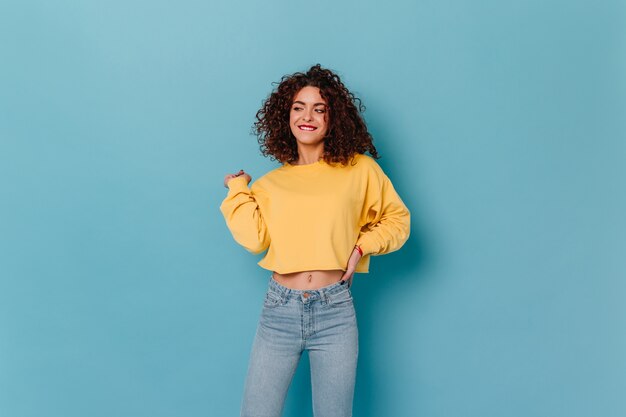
point(241, 172)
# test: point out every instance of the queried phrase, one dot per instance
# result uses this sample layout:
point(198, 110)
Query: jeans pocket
point(341, 299)
point(273, 299)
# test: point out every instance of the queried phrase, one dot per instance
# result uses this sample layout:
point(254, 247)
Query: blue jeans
point(322, 322)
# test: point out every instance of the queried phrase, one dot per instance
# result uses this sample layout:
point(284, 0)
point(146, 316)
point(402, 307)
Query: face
point(308, 117)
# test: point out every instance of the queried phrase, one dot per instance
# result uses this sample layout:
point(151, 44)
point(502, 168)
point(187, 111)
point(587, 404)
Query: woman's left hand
point(354, 259)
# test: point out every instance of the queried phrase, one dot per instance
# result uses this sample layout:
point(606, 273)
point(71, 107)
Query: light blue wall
point(501, 124)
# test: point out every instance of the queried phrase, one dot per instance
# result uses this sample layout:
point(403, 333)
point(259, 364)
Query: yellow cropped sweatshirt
point(310, 217)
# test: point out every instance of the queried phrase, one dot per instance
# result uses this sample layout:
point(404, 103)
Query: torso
point(308, 280)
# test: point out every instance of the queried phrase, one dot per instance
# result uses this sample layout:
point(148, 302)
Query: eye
point(296, 108)
point(320, 110)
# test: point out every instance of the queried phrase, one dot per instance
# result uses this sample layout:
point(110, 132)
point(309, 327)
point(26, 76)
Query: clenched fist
point(241, 172)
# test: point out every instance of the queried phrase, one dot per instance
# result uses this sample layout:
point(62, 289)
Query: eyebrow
point(303, 103)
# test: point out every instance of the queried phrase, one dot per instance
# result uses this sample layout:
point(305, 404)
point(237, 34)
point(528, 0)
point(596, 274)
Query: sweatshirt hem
point(318, 268)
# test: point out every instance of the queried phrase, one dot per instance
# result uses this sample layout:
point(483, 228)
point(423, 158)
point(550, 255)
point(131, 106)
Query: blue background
point(501, 125)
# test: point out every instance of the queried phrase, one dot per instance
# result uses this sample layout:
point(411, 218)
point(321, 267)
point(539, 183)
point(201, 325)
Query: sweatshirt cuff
point(237, 183)
point(368, 246)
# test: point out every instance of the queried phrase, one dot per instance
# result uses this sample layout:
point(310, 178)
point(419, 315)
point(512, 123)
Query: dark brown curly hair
point(347, 134)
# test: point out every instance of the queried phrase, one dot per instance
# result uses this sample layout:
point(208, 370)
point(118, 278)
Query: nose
point(307, 115)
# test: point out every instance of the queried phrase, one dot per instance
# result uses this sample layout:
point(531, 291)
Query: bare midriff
point(308, 280)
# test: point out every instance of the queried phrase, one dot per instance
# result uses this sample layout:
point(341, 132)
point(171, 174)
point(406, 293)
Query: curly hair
point(347, 134)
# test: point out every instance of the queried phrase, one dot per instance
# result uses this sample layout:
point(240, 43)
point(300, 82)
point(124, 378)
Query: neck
point(310, 155)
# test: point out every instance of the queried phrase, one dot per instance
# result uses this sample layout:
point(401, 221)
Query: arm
point(243, 216)
point(386, 219)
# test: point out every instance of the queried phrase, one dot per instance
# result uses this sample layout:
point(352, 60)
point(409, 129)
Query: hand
point(241, 172)
point(352, 262)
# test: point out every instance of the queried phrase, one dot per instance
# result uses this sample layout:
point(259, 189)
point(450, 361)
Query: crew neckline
point(312, 164)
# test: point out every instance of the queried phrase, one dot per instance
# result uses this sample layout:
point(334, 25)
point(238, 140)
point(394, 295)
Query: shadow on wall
point(390, 275)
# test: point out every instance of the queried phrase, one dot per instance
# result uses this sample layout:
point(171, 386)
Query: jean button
point(305, 295)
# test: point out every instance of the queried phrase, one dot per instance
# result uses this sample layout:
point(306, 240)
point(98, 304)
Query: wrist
point(358, 248)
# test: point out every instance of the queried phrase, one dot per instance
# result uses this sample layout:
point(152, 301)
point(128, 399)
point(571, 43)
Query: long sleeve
point(243, 217)
point(386, 219)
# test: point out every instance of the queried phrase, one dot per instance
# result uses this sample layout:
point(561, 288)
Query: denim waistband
point(320, 293)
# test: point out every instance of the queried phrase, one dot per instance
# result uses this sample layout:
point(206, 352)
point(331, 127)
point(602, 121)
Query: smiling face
point(308, 117)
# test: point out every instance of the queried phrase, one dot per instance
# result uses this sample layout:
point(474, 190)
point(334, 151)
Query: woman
point(320, 216)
